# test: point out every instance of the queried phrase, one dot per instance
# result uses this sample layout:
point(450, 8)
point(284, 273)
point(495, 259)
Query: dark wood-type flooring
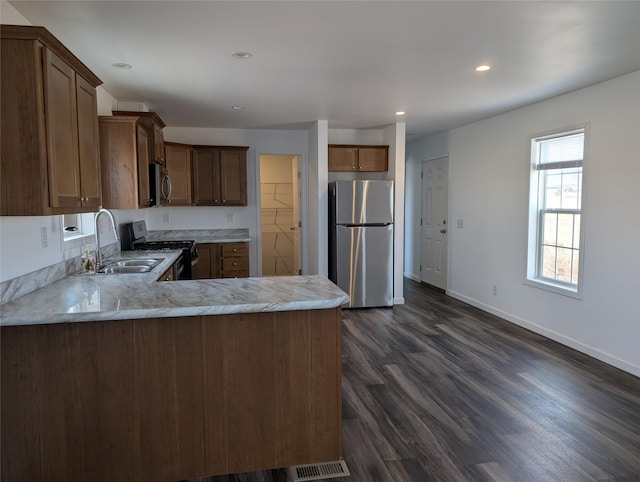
point(438, 390)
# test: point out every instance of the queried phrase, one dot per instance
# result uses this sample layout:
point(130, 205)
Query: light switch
point(460, 224)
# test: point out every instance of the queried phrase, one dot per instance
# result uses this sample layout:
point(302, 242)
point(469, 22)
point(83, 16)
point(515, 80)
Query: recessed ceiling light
point(483, 68)
point(237, 107)
point(120, 65)
point(400, 112)
point(242, 55)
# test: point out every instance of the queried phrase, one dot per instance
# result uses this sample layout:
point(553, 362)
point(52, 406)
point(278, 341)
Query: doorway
point(280, 214)
point(434, 238)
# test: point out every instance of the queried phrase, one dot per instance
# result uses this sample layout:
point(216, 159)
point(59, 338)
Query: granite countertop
point(202, 235)
point(100, 297)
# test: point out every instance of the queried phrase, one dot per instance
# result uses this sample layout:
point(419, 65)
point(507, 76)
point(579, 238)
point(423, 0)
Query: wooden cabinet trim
point(42, 35)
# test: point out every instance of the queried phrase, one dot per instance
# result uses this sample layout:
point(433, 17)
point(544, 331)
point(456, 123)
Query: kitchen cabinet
point(234, 260)
point(49, 127)
point(170, 398)
point(222, 260)
point(124, 153)
point(168, 275)
point(220, 176)
point(356, 158)
point(178, 168)
point(154, 125)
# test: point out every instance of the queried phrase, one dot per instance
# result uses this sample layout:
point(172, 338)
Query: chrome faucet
point(115, 231)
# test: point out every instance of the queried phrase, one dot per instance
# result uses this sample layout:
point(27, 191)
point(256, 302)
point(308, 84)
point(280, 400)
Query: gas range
point(134, 237)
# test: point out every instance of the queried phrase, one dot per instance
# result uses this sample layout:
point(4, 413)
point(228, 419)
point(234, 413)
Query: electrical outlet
point(494, 290)
point(43, 237)
point(460, 224)
point(230, 218)
point(165, 217)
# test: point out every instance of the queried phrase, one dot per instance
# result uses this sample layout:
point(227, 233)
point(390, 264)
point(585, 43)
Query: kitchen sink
point(151, 262)
point(124, 269)
point(131, 266)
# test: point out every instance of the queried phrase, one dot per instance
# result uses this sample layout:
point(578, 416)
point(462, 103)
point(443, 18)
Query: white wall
point(10, 16)
point(394, 136)
point(318, 191)
point(489, 173)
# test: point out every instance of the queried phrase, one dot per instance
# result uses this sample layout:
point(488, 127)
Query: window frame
point(85, 231)
point(535, 235)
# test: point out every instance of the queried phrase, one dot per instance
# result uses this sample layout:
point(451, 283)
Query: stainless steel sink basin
point(125, 269)
point(151, 262)
point(131, 266)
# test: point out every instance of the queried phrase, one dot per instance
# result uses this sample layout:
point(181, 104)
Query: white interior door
point(435, 227)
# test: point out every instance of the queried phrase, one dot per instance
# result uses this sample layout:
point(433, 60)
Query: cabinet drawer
point(235, 264)
point(235, 249)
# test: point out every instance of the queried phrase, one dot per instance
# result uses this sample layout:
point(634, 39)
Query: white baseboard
point(412, 277)
point(398, 301)
point(553, 335)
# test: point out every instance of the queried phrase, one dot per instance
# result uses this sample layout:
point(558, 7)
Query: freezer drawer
point(364, 264)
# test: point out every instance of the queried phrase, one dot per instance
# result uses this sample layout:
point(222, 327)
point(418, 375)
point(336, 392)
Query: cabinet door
point(343, 158)
point(62, 140)
point(206, 175)
point(373, 159)
point(203, 268)
point(233, 177)
point(209, 263)
point(178, 168)
point(88, 145)
point(142, 142)
point(158, 144)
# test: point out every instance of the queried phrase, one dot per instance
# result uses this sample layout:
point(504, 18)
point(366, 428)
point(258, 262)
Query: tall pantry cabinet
point(50, 162)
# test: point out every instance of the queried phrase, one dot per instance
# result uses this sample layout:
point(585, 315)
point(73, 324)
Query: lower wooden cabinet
point(168, 275)
point(171, 398)
point(222, 260)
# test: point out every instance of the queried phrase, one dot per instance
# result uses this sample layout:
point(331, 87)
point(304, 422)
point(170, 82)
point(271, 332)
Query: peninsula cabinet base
point(171, 398)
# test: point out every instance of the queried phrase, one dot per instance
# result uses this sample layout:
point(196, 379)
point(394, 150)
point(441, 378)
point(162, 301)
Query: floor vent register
point(326, 470)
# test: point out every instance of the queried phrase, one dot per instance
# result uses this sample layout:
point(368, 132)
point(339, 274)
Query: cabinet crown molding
point(46, 38)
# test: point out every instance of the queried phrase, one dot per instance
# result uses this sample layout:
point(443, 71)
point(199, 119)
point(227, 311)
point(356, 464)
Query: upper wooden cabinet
point(154, 125)
point(178, 170)
point(353, 158)
point(49, 127)
point(124, 151)
point(220, 176)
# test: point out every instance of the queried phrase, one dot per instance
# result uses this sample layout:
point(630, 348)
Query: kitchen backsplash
point(22, 285)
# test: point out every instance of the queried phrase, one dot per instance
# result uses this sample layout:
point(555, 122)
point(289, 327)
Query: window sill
point(557, 288)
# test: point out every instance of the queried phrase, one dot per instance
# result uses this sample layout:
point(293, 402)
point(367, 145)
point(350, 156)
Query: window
point(555, 211)
point(76, 226)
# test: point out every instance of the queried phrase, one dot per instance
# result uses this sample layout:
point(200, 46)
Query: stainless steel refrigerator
point(361, 241)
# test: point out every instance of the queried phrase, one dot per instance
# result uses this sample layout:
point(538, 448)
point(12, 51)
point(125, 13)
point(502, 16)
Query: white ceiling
point(351, 63)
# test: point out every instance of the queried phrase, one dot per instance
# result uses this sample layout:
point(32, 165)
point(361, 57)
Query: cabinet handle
point(235, 249)
point(235, 264)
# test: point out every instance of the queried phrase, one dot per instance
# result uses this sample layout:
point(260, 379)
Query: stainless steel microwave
point(159, 186)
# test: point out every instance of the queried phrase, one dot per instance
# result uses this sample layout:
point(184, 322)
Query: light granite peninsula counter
point(120, 377)
point(202, 236)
